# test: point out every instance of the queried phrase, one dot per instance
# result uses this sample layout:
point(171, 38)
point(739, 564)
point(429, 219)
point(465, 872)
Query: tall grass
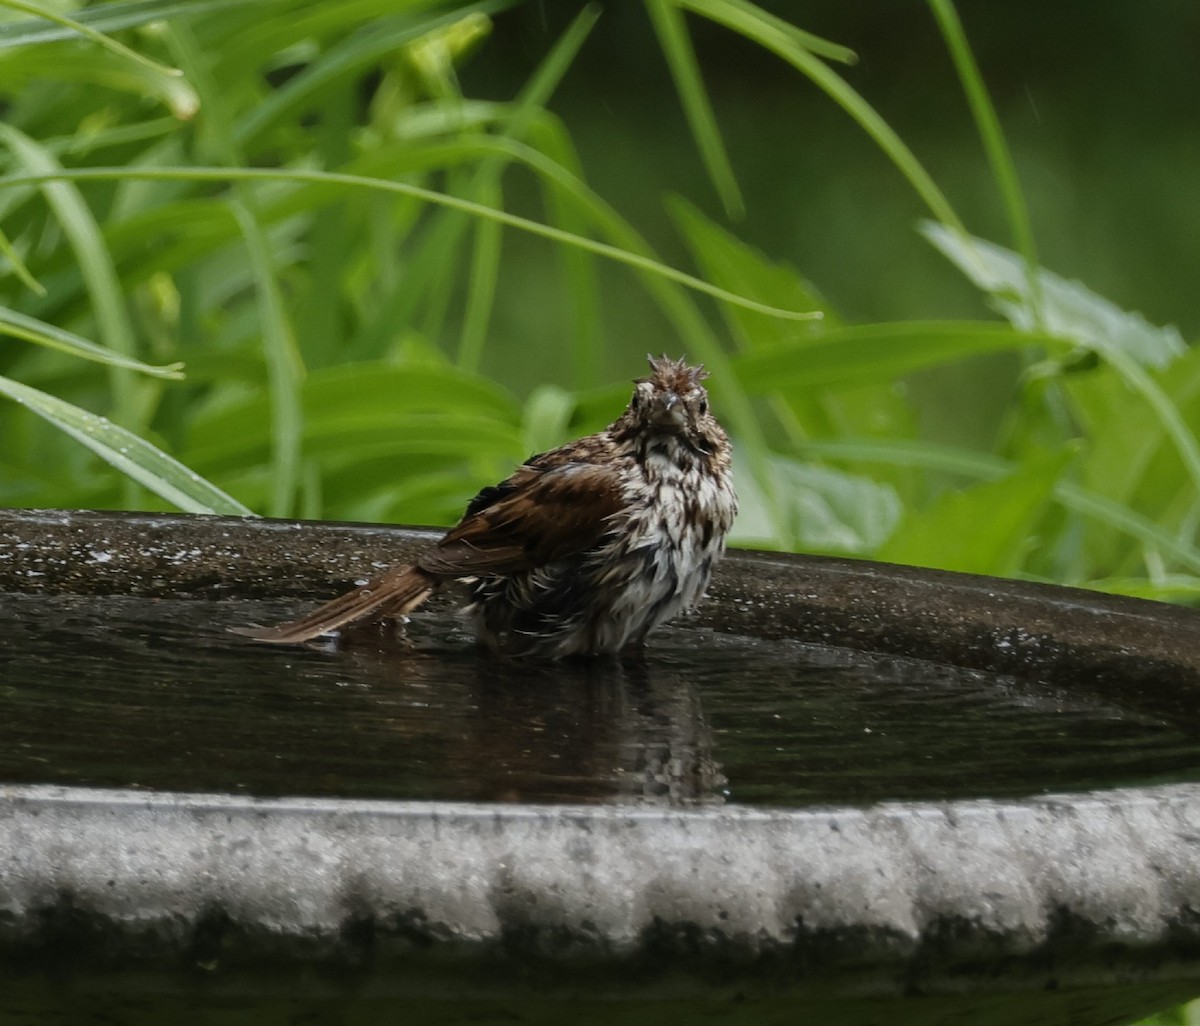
point(296, 201)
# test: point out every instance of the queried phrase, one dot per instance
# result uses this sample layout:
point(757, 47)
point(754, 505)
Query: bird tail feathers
point(394, 594)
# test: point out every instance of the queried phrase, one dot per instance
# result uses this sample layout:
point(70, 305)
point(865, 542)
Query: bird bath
point(841, 792)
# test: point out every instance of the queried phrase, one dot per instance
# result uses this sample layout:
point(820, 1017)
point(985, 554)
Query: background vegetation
point(354, 259)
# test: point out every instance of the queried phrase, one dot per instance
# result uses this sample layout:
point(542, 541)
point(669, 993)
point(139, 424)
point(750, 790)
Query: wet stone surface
point(123, 691)
point(841, 783)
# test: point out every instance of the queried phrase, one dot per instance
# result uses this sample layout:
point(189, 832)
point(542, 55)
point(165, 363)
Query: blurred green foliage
point(369, 233)
point(1182, 1015)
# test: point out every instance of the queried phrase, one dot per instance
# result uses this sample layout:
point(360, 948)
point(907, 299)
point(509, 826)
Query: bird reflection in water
point(626, 730)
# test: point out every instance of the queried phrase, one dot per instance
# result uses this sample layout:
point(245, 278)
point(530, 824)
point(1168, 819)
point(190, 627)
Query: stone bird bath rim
point(1050, 896)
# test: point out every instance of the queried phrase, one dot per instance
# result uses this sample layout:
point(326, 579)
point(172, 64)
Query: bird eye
point(703, 407)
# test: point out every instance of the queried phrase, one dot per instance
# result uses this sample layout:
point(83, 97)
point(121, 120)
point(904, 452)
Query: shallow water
point(130, 692)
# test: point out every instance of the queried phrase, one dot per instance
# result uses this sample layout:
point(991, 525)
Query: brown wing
point(538, 515)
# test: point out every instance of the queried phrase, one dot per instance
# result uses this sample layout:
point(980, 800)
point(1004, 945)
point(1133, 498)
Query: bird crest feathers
point(673, 375)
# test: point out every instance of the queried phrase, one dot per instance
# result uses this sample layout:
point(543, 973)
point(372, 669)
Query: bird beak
point(670, 412)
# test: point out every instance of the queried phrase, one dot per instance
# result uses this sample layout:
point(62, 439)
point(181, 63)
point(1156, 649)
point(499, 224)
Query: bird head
point(671, 403)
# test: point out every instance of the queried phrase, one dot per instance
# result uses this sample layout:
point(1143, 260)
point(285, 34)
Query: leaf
point(1069, 309)
point(85, 69)
point(99, 38)
point(285, 368)
point(343, 60)
point(367, 406)
point(436, 497)
point(896, 452)
point(677, 48)
point(829, 510)
point(738, 267)
point(111, 17)
point(1179, 588)
point(545, 420)
point(1066, 308)
point(803, 52)
point(984, 529)
point(31, 329)
point(18, 268)
point(486, 258)
point(731, 263)
point(875, 352)
point(619, 254)
point(132, 456)
point(95, 260)
point(994, 144)
point(1128, 456)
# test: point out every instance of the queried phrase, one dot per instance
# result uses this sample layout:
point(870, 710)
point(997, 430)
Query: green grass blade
point(440, 281)
point(994, 144)
point(481, 290)
point(525, 119)
point(875, 352)
point(543, 83)
point(132, 456)
point(19, 325)
point(373, 399)
point(217, 142)
point(343, 61)
point(94, 261)
point(428, 253)
point(99, 38)
point(637, 261)
point(754, 24)
point(112, 17)
point(120, 135)
point(732, 264)
point(8, 250)
point(813, 43)
point(580, 279)
point(484, 185)
point(285, 370)
point(677, 48)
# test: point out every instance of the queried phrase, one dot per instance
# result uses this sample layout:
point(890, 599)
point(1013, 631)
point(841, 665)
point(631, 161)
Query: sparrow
point(583, 550)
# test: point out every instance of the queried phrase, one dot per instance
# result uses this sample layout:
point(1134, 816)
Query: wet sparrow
point(585, 549)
